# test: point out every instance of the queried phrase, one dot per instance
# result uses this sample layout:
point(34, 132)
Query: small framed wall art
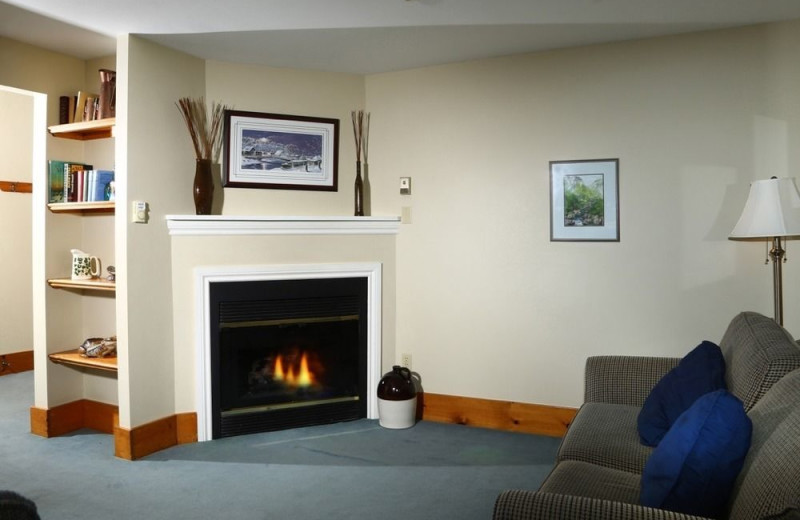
point(278, 151)
point(584, 200)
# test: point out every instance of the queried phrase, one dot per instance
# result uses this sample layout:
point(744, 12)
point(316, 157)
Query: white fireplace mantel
point(274, 225)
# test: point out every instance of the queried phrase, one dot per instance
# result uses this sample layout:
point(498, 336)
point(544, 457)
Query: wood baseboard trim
point(15, 362)
point(68, 417)
point(140, 441)
point(498, 415)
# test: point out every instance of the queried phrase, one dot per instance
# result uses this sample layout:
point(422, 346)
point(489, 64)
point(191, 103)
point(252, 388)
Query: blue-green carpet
point(348, 470)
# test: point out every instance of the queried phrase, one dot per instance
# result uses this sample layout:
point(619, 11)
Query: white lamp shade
point(772, 210)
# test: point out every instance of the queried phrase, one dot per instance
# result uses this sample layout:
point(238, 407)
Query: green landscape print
point(583, 200)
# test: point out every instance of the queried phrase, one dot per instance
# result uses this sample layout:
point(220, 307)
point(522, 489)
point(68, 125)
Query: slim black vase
point(359, 192)
point(203, 187)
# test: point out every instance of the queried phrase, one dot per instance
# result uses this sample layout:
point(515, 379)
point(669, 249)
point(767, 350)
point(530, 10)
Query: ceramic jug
point(84, 266)
point(397, 399)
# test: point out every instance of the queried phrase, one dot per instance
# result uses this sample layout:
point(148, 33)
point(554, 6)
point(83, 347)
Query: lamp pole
point(777, 255)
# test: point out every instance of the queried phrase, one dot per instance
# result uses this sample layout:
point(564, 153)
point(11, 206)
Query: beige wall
point(154, 157)
point(296, 92)
point(16, 148)
point(487, 305)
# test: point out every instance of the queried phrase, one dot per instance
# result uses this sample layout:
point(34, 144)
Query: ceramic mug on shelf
point(84, 266)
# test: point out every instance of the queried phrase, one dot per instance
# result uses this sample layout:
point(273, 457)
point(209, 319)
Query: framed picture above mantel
point(584, 200)
point(279, 151)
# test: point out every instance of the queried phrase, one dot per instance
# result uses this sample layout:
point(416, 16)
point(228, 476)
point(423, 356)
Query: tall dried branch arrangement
point(206, 137)
point(361, 133)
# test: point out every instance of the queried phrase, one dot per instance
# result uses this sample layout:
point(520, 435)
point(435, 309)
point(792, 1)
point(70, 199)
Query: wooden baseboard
point(72, 416)
point(155, 436)
point(16, 362)
point(498, 415)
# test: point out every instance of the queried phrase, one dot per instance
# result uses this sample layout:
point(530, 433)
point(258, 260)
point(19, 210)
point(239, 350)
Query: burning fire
point(295, 376)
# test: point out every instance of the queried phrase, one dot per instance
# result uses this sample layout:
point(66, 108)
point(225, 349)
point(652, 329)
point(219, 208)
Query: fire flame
point(299, 376)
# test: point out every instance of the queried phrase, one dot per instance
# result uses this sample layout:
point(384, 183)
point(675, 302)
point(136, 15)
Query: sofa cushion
point(583, 479)
point(694, 468)
point(769, 483)
point(701, 371)
point(605, 434)
point(758, 352)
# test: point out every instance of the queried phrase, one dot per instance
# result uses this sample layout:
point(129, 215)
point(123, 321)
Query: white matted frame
point(584, 200)
point(279, 151)
point(205, 276)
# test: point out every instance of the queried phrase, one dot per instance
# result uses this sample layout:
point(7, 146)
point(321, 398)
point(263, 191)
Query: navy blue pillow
point(694, 468)
point(701, 371)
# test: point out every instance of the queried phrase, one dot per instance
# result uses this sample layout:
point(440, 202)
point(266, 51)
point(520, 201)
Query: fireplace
point(287, 353)
point(287, 346)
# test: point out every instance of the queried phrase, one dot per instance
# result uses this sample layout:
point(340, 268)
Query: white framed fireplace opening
point(206, 275)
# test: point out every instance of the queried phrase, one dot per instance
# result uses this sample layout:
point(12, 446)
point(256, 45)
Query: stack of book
point(78, 182)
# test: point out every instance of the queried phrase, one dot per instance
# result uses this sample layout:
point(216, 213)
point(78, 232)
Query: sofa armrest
point(529, 505)
point(624, 379)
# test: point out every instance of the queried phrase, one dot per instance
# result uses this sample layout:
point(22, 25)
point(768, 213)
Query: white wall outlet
point(405, 185)
point(405, 360)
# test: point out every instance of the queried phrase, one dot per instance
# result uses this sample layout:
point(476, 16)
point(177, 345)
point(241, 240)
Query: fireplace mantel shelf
point(272, 225)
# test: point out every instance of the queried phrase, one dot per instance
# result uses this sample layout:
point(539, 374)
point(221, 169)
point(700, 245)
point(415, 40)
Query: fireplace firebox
point(287, 353)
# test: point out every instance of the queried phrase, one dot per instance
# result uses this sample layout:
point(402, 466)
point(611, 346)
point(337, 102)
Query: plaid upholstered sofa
point(600, 461)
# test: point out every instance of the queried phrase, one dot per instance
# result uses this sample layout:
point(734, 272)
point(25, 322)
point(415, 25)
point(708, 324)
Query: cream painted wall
point(156, 166)
point(487, 305)
point(296, 92)
point(16, 148)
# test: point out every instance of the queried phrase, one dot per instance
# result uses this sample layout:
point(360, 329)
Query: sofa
point(601, 459)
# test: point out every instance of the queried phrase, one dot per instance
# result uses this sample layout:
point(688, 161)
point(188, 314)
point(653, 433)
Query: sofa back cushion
point(769, 483)
point(701, 371)
point(757, 352)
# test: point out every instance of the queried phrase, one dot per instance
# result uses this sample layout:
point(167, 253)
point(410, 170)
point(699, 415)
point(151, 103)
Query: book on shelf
point(55, 181)
point(63, 110)
point(72, 191)
point(85, 107)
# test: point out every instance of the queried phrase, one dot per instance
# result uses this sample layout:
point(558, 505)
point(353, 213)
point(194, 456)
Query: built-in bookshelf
point(83, 131)
point(73, 358)
point(86, 130)
point(103, 206)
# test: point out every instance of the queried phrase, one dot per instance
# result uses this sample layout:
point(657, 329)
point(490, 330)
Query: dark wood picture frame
point(280, 151)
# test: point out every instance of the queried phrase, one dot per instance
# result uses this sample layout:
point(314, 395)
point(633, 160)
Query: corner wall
point(487, 305)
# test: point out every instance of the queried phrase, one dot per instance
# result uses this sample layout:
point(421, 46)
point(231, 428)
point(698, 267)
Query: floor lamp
point(772, 212)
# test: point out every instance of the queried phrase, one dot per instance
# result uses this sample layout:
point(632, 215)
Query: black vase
point(203, 187)
point(359, 192)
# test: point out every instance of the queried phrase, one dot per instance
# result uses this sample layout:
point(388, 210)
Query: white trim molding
point(205, 276)
point(264, 225)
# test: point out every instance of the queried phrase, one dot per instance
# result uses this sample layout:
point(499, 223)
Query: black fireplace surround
point(287, 353)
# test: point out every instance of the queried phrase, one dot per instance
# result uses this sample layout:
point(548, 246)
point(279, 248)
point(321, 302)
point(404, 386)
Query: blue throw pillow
point(701, 371)
point(696, 464)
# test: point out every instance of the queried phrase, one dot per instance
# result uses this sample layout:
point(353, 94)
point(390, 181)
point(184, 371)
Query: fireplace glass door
point(287, 353)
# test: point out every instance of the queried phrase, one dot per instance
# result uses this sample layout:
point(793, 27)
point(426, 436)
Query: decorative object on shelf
point(112, 273)
point(108, 93)
point(361, 135)
point(84, 266)
point(584, 200)
point(279, 151)
point(772, 212)
point(206, 134)
point(99, 347)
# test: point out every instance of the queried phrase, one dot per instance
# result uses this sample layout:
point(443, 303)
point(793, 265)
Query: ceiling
point(367, 36)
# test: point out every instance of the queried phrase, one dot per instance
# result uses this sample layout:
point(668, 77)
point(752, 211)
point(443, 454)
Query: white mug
point(82, 265)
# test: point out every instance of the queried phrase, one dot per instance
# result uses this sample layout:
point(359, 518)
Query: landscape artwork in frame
point(584, 200)
point(277, 151)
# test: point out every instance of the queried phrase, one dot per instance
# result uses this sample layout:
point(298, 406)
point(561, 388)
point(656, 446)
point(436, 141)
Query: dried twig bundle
point(205, 138)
